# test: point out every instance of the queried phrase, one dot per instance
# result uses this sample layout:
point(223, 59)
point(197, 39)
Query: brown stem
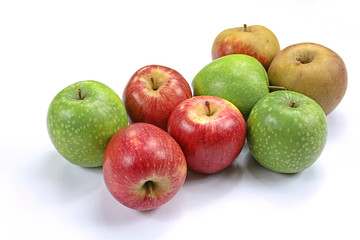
point(153, 83)
point(274, 88)
point(245, 28)
point(149, 190)
point(207, 104)
point(304, 60)
point(79, 93)
point(292, 104)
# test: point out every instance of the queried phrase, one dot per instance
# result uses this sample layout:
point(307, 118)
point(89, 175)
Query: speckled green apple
point(81, 120)
point(238, 78)
point(286, 131)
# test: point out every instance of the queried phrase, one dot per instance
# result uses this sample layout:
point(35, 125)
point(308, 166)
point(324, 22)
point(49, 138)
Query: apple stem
point(274, 88)
point(245, 28)
point(292, 104)
point(153, 83)
point(79, 93)
point(207, 104)
point(149, 189)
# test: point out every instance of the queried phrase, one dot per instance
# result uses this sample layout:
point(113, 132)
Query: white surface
point(47, 45)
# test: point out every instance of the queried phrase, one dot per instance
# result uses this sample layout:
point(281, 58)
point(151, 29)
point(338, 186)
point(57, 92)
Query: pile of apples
point(276, 100)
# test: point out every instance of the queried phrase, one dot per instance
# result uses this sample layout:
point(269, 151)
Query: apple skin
point(287, 131)
point(140, 154)
point(313, 70)
point(210, 143)
point(238, 78)
point(81, 128)
point(152, 102)
point(256, 41)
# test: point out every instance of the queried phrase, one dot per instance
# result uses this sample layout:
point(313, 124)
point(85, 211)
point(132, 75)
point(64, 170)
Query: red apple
point(153, 92)
point(256, 41)
point(210, 130)
point(143, 167)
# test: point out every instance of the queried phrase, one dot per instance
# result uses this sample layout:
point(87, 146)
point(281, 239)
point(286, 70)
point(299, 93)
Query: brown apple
point(256, 41)
point(313, 70)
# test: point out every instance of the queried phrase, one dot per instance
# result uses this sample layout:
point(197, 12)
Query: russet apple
point(313, 70)
point(144, 167)
point(256, 41)
point(210, 130)
point(153, 92)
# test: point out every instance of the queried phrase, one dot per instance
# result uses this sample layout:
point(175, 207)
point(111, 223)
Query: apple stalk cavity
point(149, 189)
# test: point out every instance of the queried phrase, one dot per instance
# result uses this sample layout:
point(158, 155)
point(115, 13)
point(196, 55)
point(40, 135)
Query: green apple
point(238, 78)
point(286, 131)
point(81, 120)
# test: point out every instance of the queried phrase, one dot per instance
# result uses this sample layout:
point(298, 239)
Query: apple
point(286, 131)
point(238, 78)
point(211, 131)
point(153, 92)
point(81, 120)
point(313, 70)
point(144, 167)
point(256, 41)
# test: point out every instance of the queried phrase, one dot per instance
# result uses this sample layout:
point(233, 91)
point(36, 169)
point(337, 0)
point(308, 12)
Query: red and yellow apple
point(313, 70)
point(153, 92)
point(210, 130)
point(144, 167)
point(256, 41)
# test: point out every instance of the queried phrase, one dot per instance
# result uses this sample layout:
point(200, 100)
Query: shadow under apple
point(201, 189)
point(82, 194)
point(337, 125)
point(60, 182)
point(112, 218)
point(281, 188)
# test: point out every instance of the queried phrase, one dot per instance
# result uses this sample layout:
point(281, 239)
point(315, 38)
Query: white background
point(48, 45)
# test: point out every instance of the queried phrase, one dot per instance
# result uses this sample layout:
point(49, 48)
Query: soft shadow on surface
point(337, 125)
point(284, 188)
point(59, 181)
point(202, 189)
point(265, 175)
point(113, 218)
point(111, 212)
point(82, 195)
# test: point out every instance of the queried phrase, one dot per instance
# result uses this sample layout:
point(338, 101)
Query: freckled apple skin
point(283, 138)
point(256, 41)
point(210, 143)
point(139, 153)
point(81, 129)
point(143, 103)
point(313, 70)
point(238, 78)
